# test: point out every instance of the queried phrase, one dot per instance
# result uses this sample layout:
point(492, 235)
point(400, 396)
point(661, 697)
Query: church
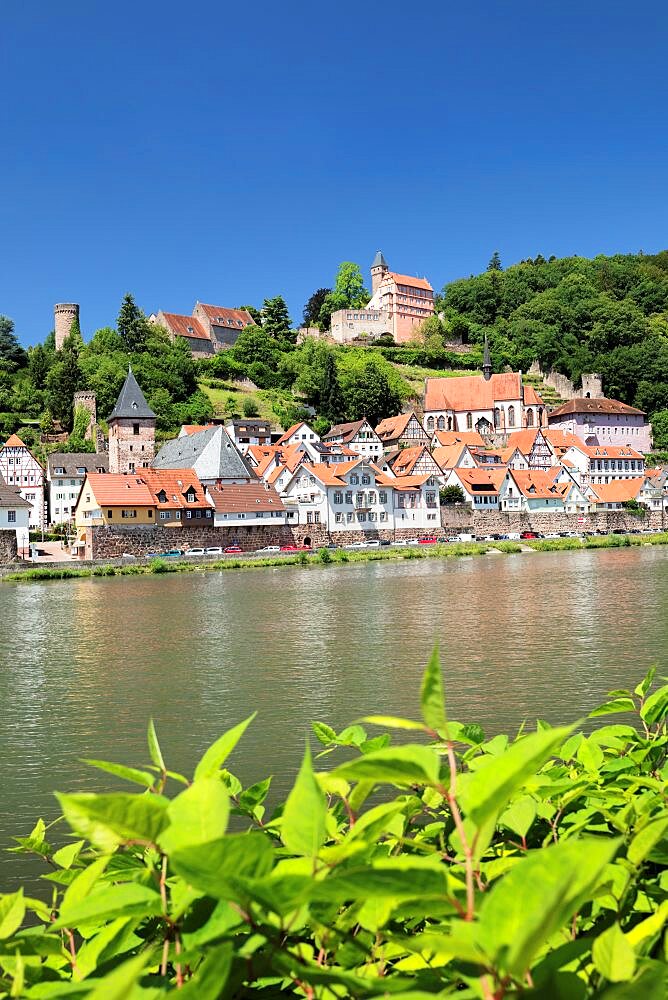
point(487, 403)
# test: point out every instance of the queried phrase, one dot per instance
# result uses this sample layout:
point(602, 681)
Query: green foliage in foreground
point(489, 869)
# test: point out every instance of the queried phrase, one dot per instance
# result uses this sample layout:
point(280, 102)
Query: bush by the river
point(530, 865)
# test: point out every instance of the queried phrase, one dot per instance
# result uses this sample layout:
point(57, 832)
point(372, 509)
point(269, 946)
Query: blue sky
point(228, 152)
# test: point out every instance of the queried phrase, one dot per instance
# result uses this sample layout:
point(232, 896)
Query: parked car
point(452, 538)
point(289, 548)
point(356, 545)
point(214, 550)
point(551, 534)
point(172, 554)
point(269, 548)
point(528, 534)
point(400, 541)
point(385, 541)
point(427, 540)
point(412, 541)
point(465, 537)
point(373, 543)
point(513, 536)
point(233, 549)
point(195, 552)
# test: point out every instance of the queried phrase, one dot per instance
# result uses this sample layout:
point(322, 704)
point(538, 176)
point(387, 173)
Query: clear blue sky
point(227, 152)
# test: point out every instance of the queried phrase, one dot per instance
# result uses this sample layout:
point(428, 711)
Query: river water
point(84, 663)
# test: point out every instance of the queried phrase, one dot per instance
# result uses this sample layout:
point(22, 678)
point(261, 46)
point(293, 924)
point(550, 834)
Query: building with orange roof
point(443, 439)
point(479, 486)
point(413, 461)
point(402, 431)
point(358, 435)
point(20, 470)
point(188, 328)
point(298, 433)
point(604, 421)
point(247, 504)
point(614, 494)
point(531, 442)
point(210, 328)
point(454, 456)
point(486, 403)
point(532, 490)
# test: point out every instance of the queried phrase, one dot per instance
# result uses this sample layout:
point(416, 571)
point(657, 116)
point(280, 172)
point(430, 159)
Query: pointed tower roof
point(379, 260)
point(131, 401)
point(486, 362)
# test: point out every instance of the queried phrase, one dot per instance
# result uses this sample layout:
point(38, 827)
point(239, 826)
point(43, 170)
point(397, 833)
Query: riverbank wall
point(112, 542)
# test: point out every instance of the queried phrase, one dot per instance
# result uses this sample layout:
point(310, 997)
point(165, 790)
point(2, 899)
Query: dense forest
point(607, 315)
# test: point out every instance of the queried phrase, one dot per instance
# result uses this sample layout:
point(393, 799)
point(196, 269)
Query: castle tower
point(131, 429)
point(87, 401)
point(592, 386)
point(379, 269)
point(64, 314)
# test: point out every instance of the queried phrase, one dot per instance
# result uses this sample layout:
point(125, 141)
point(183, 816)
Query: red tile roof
point(486, 482)
point(471, 438)
point(220, 316)
point(175, 483)
point(448, 455)
point(473, 392)
point(245, 498)
point(610, 406)
point(408, 279)
point(393, 427)
point(618, 490)
point(186, 326)
point(195, 428)
point(345, 431)
point(607, 451)
point(290, 431)
point(14, 441)
point(536, 483)
point(406, 460)
point(113, 489)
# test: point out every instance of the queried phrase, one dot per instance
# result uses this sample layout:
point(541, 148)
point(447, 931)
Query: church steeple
point(486, 362)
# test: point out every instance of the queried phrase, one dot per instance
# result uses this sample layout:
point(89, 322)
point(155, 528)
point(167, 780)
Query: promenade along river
point(84, 663)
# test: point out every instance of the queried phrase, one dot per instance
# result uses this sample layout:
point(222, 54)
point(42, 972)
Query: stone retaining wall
point(8, 550)
point(463, 519)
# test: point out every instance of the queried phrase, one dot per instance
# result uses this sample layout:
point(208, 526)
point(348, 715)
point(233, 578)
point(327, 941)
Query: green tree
point(250, 407)
point(64, 379)
point(495, 262)
point(46, 423)
point(132, 325)
point(11, 351)
point(451, 495)
point(276, 321)
point(39, 362)
point(332, 405)
point(660, 430)
point(368, 391)
point(256, 314)
point(314, 305)
point(349, 286)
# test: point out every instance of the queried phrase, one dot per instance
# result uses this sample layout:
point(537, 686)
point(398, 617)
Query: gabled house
point(14, 514)
point(454, 456)
point(486, 403)
point(178, 495)
point(532, 490)
point(479, 486)
point(297, 434)
point(531, 442)
point(614, 494)
point(20, 469)
point(600, 464)
point(359, 436)
point(65, 474)
point(417, 460)
point(402, 431)
point(249, 432)
point(188, 328)
point(604, 422)
point(444, 439)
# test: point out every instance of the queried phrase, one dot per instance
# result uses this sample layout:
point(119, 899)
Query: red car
point(233, 548)
point(528, 534)
point(429, 540)
point(289, 548)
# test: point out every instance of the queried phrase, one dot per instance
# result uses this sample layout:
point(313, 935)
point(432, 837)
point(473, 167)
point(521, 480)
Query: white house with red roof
point(14, 514)
point(479, 486)
point(532, 491)
point(246, 504)
point(402, 431)
point(604, 422)
point(20, 469)
point(600, 464)
point(358, 496)
point(359, 436)
point(297, 434)
point(485, 403)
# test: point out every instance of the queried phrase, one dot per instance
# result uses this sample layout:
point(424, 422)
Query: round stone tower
point(64, 314)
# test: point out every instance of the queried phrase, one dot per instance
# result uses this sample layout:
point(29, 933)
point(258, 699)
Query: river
point(84, 663)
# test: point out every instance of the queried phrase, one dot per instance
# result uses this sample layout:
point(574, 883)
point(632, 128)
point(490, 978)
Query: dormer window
point(190, 329)
point(190, 497)
point(81, 472)
point(162, 496)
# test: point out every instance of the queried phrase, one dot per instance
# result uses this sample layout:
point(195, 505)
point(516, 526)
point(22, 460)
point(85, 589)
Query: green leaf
point(519, 815)
point(111, 901)
point(614, 706)
point(305, 813)
point(432, 696)
point(84, 882)
point(538, 896)
point(117, 984)
point(121, 771)
point(198, 815)
point(590, 756)
point(154, 747)
point(613, 956)
point(655, 707)
point(255, 794)
point(398, 878)
point(214, 867)
point(210, 979)
point(393, 722)
point(66, 856)
point(406, 765)
point(218, 752)
point(489, 787)
point(109, 820)
point(12, 912)
point(646, 840)
point(646, 683)
point(325, 734)
point(115, 938)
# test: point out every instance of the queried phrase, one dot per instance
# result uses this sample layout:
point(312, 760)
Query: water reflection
point(83, 664)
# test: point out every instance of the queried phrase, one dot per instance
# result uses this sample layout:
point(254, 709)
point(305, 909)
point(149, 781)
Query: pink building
point(603, 422)
point(406, 301)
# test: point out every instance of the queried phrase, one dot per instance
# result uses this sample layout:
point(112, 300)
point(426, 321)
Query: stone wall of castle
point(129, 451)
point(8, 550)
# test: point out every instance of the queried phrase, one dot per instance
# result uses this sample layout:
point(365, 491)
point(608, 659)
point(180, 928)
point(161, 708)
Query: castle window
point(469, 421)
point(135, 428)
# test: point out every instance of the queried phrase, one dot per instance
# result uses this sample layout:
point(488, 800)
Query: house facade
point(65, 475)
point(592, 465)
point(604, 422)
point(532, 443)
point(532, 491)
point(249, 432)
point(479, 486)
point(402, 431)
point(359, 436)
point(15, 515)
point(209, 329)
point(20, 470)
point(248, 504)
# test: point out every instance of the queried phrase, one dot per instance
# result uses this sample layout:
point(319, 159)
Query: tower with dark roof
point(379, 269)
point(131, 429)
point(486, 362)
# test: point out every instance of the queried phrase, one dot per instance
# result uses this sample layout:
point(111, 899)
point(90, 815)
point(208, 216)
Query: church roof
point(183, 452)
point(473, 392)
point(379, 260)
point(131, 402)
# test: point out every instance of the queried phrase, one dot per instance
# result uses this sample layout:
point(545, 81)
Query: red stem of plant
point(459, 825)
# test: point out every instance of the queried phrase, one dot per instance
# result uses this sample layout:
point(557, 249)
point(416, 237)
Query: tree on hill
point(132, 325)
point(64, 379)
point(495, 262)
point(11, 351)
point(314, 305)
point(332, 406)
point(348, 293)
point(255, 314)
point(276, 321)
point(370, 388)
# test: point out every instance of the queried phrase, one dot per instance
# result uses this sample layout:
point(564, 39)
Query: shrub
point(250, 407)
point(324, 556)
point(531, 866)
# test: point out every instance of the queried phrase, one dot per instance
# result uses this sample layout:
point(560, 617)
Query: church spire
point(486, 362)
